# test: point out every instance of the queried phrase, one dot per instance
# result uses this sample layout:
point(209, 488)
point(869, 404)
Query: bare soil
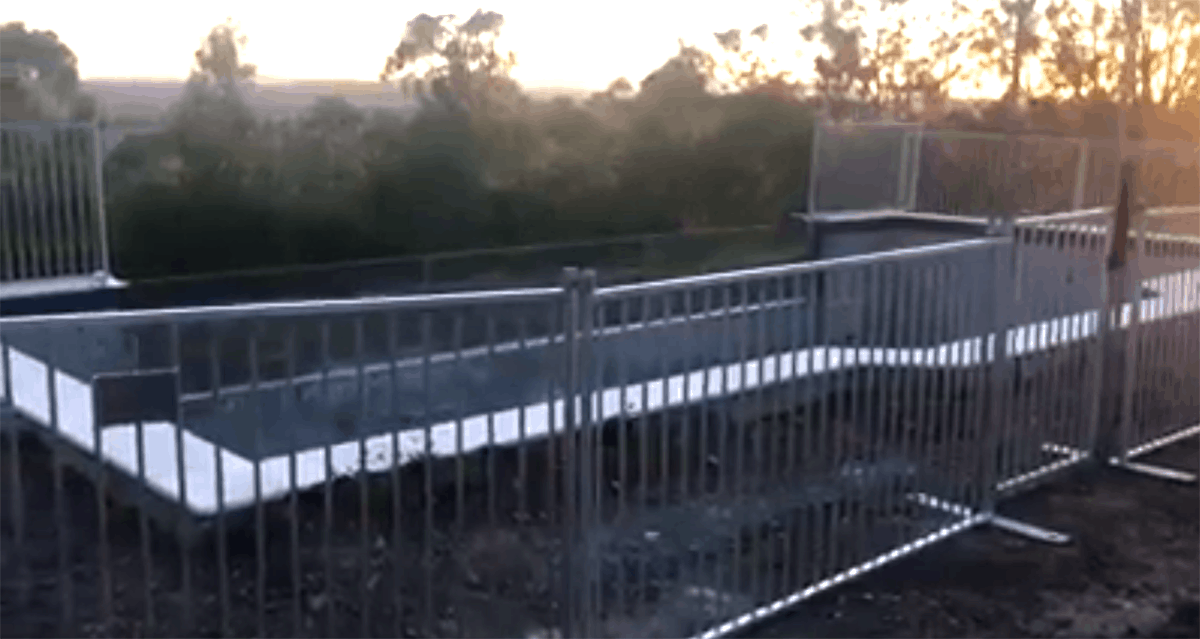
point(1132, 569)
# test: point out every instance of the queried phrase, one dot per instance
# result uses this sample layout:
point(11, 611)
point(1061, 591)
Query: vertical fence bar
point(1027, 437)
point(643, 460)
point(998, 369)
point(789, 417)
point(916, 169)
point(490, 477)
point(26, 231)
point(570, 520)
point(824, 449)
point(142, 506)
point(907, 397)
point(589, 460)
point(327, 485)
point(1081, 174)
point(290, 404)
point(61, 165)
point(427, 461)
point(66, 585)
point(101, 210)
point(83, 177)
point(185, 541)
point(926, 370)
point(364, 497)
point(393, 350)
point(742, 426)
point(260, 523)
point(860, 407)
point(100, 479)
point(16, 498)
point(807, 572)
point(776, 532)
point(883, 318)
point(214, 360)
point(8, 195)
point(43, 212)
point(934, 427)
point(50, 171)
point(624, 424)
point(812, 172)
point(1124, 436)
point(957, 437)
point(1103, 329)
point(759, 574)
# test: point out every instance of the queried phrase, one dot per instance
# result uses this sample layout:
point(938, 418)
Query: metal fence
point(670, 458)
point(901, 166)
point(52, 221)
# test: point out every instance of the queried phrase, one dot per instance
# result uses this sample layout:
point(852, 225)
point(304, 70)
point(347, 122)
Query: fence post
point(1112, 359)
point(812, 167)
point(101, 211)
point(916, 169)
point(902, 187)
point(1132, 334)
point(1081, 174)
point(997, 300)
point(570, 367)
point(590, 451)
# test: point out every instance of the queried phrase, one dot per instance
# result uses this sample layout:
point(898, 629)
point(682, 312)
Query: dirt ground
point(1132, 569)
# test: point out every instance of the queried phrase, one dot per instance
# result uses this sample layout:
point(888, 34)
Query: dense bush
point(218, 189)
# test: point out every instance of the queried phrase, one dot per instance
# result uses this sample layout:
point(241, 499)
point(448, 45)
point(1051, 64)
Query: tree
point(462, 67)
point(1168, 73)
point(845, 76)
point(1003, 38)
point(1076, 65)
point(39, 77)
point(218, 60)
point(214, 107)
point(687, 75)
point(745, 71)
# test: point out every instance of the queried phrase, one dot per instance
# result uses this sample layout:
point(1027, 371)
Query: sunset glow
point(563, 45)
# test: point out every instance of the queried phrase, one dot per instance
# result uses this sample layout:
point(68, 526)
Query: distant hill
point(149, 99)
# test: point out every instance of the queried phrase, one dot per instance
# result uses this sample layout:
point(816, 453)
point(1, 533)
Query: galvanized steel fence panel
point(326, 469)
point(1161, 391)
point(771, 457)
point(51, 202)
point(908, 167)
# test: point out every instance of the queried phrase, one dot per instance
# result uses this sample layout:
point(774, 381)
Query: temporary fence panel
point(746, 456)
point(964, 172)
point(51, 202)
point(864, 167)
point(1053, 340)
point(337, 468)
point(1162, 332)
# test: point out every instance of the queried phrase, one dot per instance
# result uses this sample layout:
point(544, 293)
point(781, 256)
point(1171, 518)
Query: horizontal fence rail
point(669, 458)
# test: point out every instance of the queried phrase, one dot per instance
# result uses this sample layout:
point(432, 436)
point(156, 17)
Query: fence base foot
point(1160, 472)
point(1023, 529)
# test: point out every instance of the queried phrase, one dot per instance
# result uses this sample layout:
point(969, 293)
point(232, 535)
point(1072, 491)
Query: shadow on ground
point(1132, 570)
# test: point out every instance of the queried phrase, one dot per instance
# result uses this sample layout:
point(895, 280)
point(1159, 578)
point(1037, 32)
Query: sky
point(558, 44)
